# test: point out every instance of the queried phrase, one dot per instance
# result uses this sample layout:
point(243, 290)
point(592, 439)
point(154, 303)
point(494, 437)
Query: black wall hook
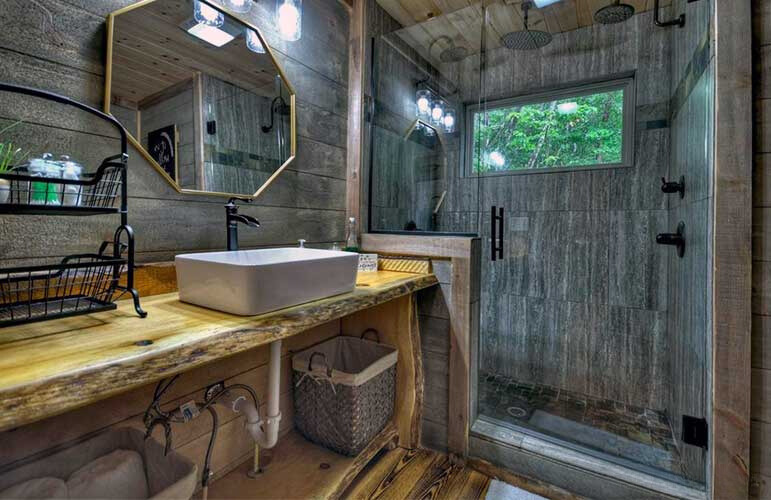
point(675, 239)
point(673, 187)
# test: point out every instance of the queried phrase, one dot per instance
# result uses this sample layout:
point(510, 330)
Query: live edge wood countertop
point(50, 367)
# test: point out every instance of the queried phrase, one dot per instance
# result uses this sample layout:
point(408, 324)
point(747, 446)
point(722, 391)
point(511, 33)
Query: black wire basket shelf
point(91, 194)
point(79, 284)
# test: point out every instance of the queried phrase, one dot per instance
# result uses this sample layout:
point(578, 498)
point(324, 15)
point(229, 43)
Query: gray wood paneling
point(58, 45)
point(760, 450)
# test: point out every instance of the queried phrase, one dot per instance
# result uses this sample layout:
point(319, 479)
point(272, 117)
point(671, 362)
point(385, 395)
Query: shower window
point(589, 126)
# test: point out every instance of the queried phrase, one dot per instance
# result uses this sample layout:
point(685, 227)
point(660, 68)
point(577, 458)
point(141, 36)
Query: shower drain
point(516, 411)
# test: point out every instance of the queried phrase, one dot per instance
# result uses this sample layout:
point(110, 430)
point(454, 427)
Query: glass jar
point(44, 193)
point(71, 170)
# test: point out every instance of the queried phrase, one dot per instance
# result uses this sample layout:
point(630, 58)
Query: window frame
point(625, 83)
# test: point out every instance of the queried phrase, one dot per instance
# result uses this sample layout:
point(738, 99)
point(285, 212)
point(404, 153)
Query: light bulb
point(449, 121)
point(208, 15)
point(423, 102)
point(567, 108)
point(240, 6)
point(437, 112)
point(497, 159)
point(253, 42)
point(289, 19)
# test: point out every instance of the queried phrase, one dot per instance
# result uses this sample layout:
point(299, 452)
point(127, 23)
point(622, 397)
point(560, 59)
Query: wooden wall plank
point(357, 50)
point(732, 252)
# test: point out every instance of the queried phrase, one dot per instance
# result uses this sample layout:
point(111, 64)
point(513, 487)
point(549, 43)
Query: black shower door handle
point(496, 232)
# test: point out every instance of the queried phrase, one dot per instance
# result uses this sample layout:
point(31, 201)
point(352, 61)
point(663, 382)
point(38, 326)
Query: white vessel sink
point(250, 282)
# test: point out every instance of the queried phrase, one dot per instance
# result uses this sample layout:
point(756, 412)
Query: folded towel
point(117, 475)
point(43, 487)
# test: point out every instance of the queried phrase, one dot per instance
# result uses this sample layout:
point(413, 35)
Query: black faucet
point(232, 218)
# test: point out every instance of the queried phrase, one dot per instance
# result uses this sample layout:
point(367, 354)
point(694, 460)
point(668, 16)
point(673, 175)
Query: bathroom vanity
point(54, 367)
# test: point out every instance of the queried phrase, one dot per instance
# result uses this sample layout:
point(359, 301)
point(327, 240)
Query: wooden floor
point(417, 474)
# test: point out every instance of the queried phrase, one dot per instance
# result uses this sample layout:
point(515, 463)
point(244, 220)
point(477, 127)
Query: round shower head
point(616, 12)
point(526, 39)
point(454, 53)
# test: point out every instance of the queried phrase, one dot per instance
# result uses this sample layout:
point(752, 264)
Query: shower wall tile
point(586, 246)
point(637, 265)
point(552, 255)
point(639, 187)
point(589, 190)
point(580, 324)
point(644, 376)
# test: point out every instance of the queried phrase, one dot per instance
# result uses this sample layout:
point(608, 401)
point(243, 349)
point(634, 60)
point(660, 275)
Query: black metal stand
point(79, 284)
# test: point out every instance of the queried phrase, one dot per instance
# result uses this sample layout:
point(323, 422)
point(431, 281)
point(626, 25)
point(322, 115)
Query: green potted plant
point(10, 157)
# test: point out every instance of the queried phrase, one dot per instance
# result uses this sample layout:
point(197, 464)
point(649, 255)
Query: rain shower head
point(526, 39)
point(616, 12)
point(453, 54)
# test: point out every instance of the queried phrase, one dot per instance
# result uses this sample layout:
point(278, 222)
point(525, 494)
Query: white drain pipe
point(264, 432)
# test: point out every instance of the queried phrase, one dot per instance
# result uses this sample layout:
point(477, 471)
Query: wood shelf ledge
point(52, 367)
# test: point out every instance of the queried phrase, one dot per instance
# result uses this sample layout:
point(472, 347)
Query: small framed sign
point(162, 145)
point(367, 262)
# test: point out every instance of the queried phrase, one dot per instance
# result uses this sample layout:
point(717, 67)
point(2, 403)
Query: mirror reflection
point(201, 95)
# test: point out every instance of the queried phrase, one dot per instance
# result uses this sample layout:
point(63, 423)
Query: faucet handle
point(234, 199)
point(301, 242)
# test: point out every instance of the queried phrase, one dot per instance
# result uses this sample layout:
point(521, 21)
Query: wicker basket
point(344, 392)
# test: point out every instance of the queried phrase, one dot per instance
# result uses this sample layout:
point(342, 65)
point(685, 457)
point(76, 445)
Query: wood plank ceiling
point(152, 52)
point(431, 26)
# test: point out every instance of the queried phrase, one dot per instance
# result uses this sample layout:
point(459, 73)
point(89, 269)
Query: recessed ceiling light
point(211, 34)
point(544, 3)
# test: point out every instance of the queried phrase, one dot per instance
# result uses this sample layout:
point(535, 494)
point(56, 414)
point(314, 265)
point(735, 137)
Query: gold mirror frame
point(138, 146)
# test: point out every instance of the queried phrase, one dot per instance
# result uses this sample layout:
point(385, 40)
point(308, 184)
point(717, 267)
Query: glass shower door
point(588, 323)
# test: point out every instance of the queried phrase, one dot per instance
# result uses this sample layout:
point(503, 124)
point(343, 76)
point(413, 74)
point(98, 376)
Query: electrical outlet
point(214, 389)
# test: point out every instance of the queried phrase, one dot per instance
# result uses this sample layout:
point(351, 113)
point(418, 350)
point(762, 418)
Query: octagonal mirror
point(201, 94)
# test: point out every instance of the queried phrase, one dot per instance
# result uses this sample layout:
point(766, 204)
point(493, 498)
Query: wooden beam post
point(356, 54)
point(732, 261)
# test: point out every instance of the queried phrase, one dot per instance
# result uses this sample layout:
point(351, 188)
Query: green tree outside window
point(578, 131)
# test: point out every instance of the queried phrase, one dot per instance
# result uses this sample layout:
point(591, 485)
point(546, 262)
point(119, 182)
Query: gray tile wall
point(59, 45)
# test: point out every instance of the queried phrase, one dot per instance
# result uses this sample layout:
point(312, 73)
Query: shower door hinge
point(695, 431)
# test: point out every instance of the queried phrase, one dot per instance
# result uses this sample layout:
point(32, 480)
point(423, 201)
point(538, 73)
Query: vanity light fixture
point(253, 41)
point(210, 34)
point(239, 6)
point(207, 15)
point(449, 121)
point(423, 102)
point(289, 17)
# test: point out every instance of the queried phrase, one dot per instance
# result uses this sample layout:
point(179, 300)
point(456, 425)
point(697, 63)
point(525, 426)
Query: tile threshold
point(505, 436)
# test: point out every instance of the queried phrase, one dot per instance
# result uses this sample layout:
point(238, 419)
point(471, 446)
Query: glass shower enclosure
point(580, 153)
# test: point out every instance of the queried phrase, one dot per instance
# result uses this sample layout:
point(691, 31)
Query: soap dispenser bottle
point(352, 240)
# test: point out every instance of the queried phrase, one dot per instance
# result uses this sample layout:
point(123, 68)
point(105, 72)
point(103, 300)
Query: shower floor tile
point(631, 432)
